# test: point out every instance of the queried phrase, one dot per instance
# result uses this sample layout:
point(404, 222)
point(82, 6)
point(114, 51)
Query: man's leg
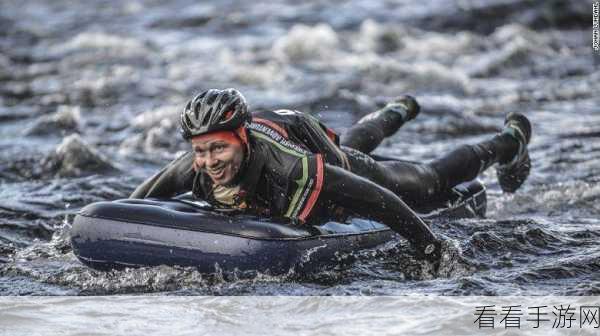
point(413, 182)
point(370, 131)
point(508, 149)
point(421, 182)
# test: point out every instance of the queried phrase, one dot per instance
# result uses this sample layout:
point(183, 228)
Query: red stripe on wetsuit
point(272, 125)
point(332, 135)
point(314, 195)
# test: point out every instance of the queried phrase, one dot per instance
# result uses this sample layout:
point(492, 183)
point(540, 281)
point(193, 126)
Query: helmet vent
point(214, 110)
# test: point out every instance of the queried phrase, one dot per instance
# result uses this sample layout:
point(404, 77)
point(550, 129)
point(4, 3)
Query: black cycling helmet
point(214, 110)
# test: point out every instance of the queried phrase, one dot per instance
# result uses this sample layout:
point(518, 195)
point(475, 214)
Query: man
point(287, 164)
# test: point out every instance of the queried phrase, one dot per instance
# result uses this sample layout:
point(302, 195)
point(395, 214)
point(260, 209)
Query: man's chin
point(218, 181)
point(221, 180)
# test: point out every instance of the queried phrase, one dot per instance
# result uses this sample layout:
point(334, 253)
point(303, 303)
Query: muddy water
point(90, 92)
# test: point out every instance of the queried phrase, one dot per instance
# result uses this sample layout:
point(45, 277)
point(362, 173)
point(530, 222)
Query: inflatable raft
point(180, 231)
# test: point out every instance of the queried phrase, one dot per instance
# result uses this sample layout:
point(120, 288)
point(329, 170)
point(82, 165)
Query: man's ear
point(242, 133)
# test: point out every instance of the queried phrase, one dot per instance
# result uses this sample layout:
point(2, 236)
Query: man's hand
point(432, 252)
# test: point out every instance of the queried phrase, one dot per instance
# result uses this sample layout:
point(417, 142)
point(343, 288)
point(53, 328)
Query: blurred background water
point(281, 315)
point(90, 92)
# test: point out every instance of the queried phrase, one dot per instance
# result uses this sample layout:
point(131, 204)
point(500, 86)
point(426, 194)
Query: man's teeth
point(216, 171)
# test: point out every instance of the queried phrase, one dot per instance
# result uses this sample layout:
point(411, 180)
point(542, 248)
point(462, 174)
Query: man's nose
point(211, 159)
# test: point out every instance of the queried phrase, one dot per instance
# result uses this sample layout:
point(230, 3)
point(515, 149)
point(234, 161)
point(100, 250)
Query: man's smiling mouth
point(216, 173)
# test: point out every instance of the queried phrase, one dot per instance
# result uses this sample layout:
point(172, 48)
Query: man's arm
point(176, 178)
point(369, 200)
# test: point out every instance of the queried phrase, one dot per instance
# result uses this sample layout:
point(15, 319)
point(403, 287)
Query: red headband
point(227, 136)
point(236, 137)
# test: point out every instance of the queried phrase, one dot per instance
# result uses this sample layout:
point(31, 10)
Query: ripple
point(573, 267)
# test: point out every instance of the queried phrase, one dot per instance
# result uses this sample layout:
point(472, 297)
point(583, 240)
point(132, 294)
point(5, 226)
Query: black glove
point(431, 252)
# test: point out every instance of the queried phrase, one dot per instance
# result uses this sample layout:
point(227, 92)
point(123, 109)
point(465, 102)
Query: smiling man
point(286, 164)
point(219, 154)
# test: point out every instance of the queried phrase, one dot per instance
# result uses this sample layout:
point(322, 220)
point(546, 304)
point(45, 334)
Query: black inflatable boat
point(133, 233)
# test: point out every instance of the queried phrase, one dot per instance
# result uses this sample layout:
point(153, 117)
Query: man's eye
point(219, 148)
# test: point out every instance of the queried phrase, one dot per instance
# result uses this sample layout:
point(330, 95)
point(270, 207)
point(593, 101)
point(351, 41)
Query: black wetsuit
point(298, 169)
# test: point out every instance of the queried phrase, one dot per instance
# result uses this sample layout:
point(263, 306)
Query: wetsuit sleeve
point(331, 134)
point(369, 200)
point(176, 178)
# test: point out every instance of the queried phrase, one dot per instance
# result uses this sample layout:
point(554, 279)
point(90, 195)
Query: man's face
point(219, 157)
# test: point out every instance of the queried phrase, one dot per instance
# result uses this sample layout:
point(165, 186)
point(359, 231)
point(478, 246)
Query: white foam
point(510, 45)
point(561, 197)
point(305, 43)
point(66, 118)
point(163, 136)
point(194, 47)
point(591, 193)
point(513, 52)
point(263, 76)
point(411, 43)
point(378, 38)
point(425, 75)
point(99, 41)
point(154, 117)
point(440, 46)
point(131, 144)
point(241, 68)
point(70, 115)
point(511, 32)
point(96, 88)
point(159, 132)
